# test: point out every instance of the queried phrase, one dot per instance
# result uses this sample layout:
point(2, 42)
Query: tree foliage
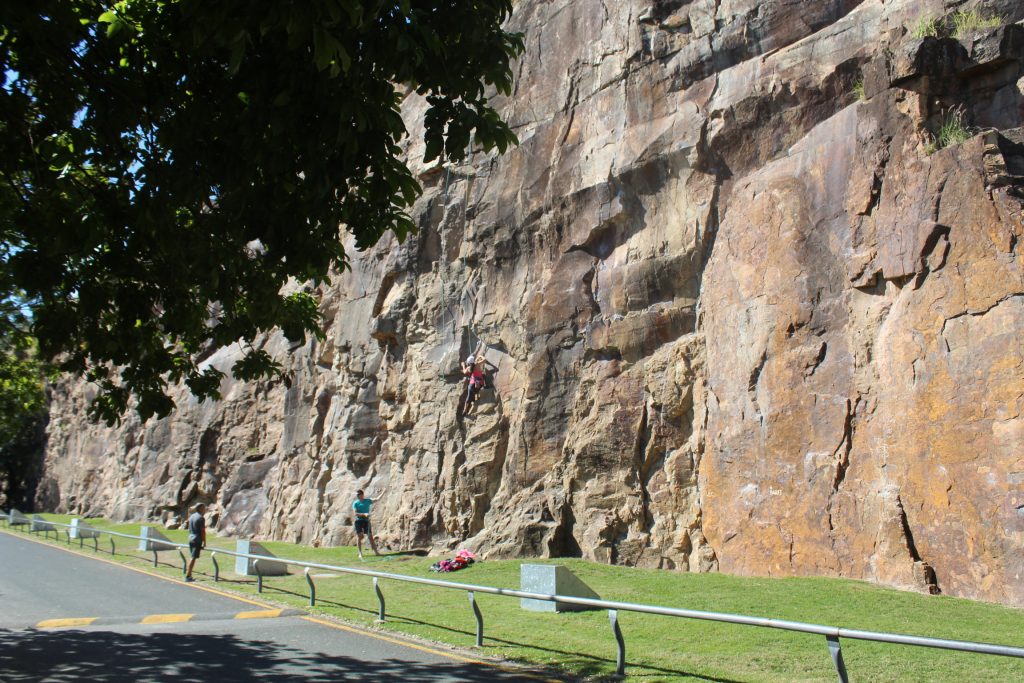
point(22, 389)
point(167, 167)
point(22, 404)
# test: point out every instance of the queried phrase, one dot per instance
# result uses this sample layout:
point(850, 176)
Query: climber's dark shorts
point(362, 526)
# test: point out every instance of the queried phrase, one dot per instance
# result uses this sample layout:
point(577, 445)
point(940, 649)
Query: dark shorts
point(193, 548)
point(362, 526)
point(474, 389)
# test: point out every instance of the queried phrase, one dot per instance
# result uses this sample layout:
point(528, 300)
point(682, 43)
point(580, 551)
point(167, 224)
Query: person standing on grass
point(196, 538)
point(361, 506)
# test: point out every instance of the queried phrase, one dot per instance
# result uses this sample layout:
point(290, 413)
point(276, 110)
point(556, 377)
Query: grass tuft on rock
point(959, 25)
point(953, 131)
point(927, 27)
point(968, 21)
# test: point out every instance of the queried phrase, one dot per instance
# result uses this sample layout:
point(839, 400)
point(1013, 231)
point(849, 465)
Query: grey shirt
point(196, 525)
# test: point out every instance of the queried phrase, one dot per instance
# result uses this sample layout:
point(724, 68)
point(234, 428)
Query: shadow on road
point(103, 656)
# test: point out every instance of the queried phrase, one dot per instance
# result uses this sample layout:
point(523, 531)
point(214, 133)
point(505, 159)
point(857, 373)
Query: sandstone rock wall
point(740, 318)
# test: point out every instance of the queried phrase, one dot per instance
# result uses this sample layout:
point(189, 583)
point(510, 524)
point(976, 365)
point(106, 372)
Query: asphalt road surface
point(225, 639)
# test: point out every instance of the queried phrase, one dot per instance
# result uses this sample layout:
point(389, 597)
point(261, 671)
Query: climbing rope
point(442, 264)
point(446, 307)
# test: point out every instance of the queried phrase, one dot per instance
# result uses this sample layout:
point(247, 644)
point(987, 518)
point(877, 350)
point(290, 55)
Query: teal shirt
point(362, 506)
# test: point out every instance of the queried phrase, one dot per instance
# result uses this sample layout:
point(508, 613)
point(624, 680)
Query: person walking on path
point(361, 506)
point(196, 538)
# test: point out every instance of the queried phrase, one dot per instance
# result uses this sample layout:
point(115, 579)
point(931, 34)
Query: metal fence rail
point(832, 634)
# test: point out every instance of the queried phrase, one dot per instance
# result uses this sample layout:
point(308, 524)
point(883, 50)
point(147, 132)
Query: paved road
point(40, 582)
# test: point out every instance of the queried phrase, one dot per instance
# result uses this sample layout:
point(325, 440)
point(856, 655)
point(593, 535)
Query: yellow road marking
point(165, 618)
point(65, 623)
point(259, 614)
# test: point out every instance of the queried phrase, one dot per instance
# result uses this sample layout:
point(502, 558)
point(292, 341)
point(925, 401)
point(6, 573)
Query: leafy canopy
point(167, 167)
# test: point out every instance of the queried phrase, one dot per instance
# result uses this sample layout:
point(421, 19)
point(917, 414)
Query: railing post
point(380, 599)
point(184, 562)
point(259, 576)
point(216, 567)
point(479, 619)
point(836, 650)
point(113, 549)
point(95, 544)
point(312, 588)
point(620, 657)
point(154, 558)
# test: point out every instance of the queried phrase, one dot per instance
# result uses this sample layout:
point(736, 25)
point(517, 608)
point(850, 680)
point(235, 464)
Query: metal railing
point(832, 634)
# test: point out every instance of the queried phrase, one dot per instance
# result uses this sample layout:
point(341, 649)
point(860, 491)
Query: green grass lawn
point(657, 648)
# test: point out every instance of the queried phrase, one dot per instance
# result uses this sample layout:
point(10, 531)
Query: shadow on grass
point(416, 552)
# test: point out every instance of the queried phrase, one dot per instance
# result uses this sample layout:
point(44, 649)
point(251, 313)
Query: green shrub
point(858, 90)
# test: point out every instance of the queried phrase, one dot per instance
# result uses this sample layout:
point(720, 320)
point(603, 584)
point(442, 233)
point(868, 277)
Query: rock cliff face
point(741, 319)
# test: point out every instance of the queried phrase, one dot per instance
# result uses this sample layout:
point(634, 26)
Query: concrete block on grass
point(552, 579)
point(244, 565)
point(79, 529)
point(16, 518)
point(152, 540)
point(40, 524)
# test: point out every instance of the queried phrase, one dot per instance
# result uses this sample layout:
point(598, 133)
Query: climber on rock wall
point(473, 370)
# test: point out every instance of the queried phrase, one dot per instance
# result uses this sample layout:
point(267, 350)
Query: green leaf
point(115, 27)
point(433, 149)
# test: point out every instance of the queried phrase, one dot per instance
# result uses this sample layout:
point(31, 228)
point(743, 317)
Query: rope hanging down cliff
point(474, 339)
